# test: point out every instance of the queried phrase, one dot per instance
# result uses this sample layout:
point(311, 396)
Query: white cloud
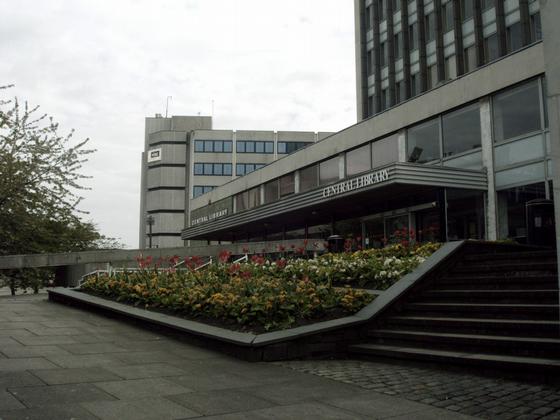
point(101, 66)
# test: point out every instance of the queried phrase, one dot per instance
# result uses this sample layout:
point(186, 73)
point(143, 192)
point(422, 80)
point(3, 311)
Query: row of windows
point(198, 190)
point(246, 168)
point(213, 169)
point(254, 147)
point(286, 147)
point(468, 60)
point(243, 146)
point(214, 146)
point(517, 112)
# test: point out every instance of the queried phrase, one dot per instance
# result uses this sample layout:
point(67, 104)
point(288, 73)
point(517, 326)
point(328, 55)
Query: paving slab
point(139, 388)
point(59, 394)
point(10, 365)
point(52, 412)
point(21, 351)
point(45, 340)
point(93, 348)
point(152, 370)
point(84, 360)
point(145, 409)
point(9, 402)
point(18, 379)
point(75, 376)
point(221, 402)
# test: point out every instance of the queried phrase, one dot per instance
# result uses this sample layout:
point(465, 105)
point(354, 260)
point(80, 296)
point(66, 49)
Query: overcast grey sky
point(101, 66)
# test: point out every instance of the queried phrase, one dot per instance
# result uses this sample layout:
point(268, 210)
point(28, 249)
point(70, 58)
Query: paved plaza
point(58, 362)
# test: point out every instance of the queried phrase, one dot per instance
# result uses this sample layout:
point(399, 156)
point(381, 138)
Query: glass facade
point(308, 178)
point(358, 160)
point(461, 130)
point(423, 142)
point(328, 171)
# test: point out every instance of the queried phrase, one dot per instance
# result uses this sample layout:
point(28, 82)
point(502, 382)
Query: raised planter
point(321, 339)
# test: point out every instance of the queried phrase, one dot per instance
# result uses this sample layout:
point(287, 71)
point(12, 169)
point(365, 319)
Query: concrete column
point(341, 169)
point(488, 163)
point(401, 145)
point(296, 183)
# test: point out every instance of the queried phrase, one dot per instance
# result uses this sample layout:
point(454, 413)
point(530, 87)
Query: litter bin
point(540, 223)
point(336, 243)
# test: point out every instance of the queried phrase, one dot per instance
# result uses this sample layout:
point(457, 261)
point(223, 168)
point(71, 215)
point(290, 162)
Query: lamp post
point(150, 222)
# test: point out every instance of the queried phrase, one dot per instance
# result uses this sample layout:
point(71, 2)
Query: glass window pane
point(519, 151)
point(308, 178)
point(218, 146)
point(240, 169)
point(358, 160)
point(242, 201)
point(269, 147)
point(287, 184)
point(525, 174)
point(249, 167)
point(328, 171)
point(468, 161)
point(281, 147)
point(491, 48)
point(197, 191)
point(240, 147)
point(448, 19)
point(486, 4)
point(227, 146)
point(470, 58)
point(218, 169)
point(536, 29)
point(512, 210)
point(465, 214)
point(208, 168)
point(450, 68)
point(259, 147)
point(514, 37)
point(254, 197)
point(227, 168)
point(198, 169)
point(384, 151)
point(271, 191)
point(430, 26)
point(461, 130)
point(423, 142)
point(208, 145)
point(250, 147)
point(466, 9)
point(517, 111)
point(413, 35)
point(199, 146)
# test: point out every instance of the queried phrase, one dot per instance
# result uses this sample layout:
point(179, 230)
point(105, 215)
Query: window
point(368, 18)
point(536, 29)
point(450, 68)
point(287, 184)
point(470, 58)
point(466, 9)
point(517, 111)
point(369, 62)
point(396, 5)
point(383, 54)
point(432, 76)
point(413, 36)
point(382, 4)
point(423, 142)
point(328, 171)
point(198, 190)
point(430, 27)
point(512, 204)
point(384, 99)
point(513, 37)
point(414, 85)
point(286, 147)
point(461, 130)
point(255, 146)
point(213, 146)
point(370, 109)
point(400, 92)
point(212, 169)
point(246, 168)
point(384, 151)
point(448, 18)
point(271, 191)
point(491, 48)
point(358, 160)
point(242, 201)
point(308, 178)
point(398, 45)
point(487, 4)
point(254, 197)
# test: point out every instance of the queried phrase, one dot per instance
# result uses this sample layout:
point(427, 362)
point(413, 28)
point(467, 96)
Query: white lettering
point(356, 183)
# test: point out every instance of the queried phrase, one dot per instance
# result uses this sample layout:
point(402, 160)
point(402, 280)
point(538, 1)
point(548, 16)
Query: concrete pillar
point(488, 163)
point(341, 168)
point(401, 145)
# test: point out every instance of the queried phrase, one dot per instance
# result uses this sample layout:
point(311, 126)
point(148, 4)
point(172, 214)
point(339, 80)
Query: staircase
point(498, 309)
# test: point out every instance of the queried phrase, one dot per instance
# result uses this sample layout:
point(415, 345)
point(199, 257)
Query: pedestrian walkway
point(58, 362)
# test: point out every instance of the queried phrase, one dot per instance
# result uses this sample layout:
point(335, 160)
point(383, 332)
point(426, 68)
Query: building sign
point(356, 183)
point(209, 217)
point(212, 211)
point(154, 155)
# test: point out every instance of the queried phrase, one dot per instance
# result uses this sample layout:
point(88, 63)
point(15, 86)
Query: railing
point(244, 258)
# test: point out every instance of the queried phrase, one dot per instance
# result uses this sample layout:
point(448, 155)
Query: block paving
point(486, 396)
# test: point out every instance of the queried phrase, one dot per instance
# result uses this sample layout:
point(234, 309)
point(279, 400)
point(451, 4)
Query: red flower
point(234, 268)
point(246, 274)
point(223, 256)
point(281, 263)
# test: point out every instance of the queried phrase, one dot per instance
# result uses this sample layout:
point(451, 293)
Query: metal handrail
point(244, 258)
point(206, 264)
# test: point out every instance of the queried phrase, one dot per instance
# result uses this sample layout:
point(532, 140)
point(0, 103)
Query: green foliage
point(40, 177)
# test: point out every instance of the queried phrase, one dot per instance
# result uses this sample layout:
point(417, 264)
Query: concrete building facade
point(454, 137)
point(185, 158)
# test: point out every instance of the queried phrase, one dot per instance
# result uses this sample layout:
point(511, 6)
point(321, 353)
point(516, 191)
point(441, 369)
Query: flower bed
point(263, 294)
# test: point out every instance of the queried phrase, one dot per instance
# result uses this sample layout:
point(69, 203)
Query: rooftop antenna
point(167, 105)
